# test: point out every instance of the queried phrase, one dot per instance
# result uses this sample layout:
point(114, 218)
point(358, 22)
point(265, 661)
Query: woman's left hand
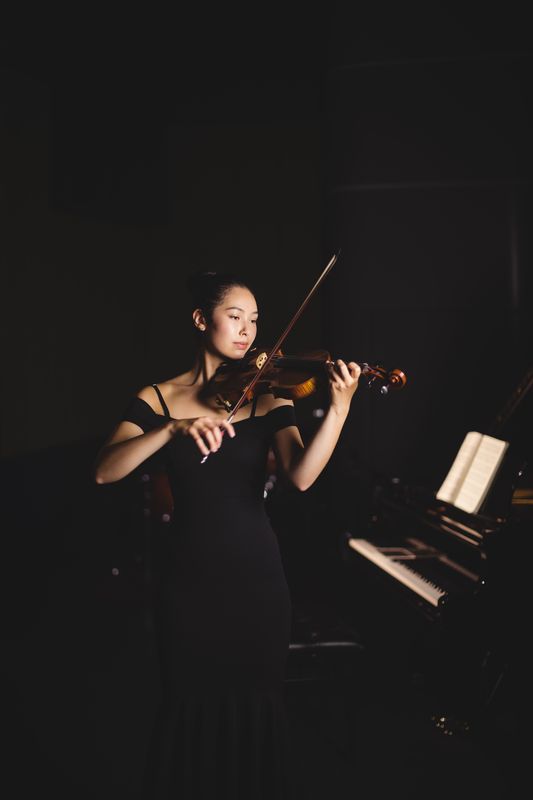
point(343, 381)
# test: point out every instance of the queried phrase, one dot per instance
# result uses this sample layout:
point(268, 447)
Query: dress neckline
point(236, 422)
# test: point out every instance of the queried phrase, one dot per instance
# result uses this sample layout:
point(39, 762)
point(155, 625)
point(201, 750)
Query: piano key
point(404, 574)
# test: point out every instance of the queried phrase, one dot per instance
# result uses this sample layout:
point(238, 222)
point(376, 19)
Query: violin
point(275, 372)
point(290, 376)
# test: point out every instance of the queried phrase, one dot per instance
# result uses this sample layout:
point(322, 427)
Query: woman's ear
point(199, 319)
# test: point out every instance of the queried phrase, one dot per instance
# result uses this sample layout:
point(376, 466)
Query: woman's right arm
point(127, 447)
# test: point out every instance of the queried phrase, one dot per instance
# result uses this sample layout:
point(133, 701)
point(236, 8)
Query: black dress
point(223, 616)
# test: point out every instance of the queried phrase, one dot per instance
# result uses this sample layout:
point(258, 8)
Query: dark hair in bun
point(208, 289)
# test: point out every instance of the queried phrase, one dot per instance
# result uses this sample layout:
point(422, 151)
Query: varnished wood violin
point(291, 376)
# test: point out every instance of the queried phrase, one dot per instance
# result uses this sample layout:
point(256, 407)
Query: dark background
point(138, 147)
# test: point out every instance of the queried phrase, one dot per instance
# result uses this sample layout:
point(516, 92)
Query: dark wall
point(427, 172)
point(135, 152)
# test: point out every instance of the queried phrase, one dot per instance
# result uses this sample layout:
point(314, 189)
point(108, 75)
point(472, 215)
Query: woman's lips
point(241, 345)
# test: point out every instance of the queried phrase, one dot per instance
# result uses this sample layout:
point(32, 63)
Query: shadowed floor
point(80, 699)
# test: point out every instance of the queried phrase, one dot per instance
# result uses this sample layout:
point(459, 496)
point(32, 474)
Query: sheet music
point(486, 461)
point(455, 477)
point(472, 472)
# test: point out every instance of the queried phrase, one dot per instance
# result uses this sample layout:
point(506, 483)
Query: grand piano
point(445, 593)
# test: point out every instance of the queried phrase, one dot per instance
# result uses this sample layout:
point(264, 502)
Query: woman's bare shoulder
point(148, 394)
point(174, 391)
point(180, 383)
point(167, 388)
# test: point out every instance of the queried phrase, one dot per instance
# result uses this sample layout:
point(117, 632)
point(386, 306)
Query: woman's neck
point(204, 367)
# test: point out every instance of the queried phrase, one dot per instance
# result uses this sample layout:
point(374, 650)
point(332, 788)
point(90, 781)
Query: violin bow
point(276, 347)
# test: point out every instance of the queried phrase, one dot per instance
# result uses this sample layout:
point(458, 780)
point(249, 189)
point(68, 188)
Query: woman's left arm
point(302, 465)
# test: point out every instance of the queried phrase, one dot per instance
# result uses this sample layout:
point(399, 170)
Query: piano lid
point(516, 417)
point(514, 423)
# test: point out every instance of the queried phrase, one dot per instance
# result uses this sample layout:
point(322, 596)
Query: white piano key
point(404, 574)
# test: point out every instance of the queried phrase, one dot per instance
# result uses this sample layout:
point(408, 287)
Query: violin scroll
point(392, 379)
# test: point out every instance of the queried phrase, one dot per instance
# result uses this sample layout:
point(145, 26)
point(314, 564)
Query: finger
point(337, 385)
point(210, 438)
point(199, 442)
point(343, 369)
point(217, 433)
point(350, 372)
point(210, 430)
point(355, 370)
point(335, 379)
point(201, 428)
point(337, 375)
point(228, 427)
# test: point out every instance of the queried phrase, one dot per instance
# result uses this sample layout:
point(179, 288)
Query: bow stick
point(280, 341)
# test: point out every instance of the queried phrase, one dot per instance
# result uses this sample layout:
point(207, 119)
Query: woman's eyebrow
point(237, 308)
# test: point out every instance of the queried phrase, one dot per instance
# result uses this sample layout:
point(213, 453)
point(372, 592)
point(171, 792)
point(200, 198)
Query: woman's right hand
point(206, 432)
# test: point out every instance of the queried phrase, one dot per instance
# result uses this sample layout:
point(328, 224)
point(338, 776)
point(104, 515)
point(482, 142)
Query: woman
point(224, 611)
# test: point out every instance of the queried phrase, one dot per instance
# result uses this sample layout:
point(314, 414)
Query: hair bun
point(198, 281)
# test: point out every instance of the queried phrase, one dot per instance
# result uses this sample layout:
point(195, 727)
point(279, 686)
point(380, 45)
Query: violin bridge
point(260, 360)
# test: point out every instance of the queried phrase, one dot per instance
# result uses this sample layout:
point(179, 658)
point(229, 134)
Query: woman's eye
point(232, 316)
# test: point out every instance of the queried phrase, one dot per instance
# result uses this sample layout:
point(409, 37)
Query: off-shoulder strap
point(163, 404)
point(281, 417)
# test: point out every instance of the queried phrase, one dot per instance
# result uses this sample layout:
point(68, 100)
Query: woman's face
point(233, 326)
